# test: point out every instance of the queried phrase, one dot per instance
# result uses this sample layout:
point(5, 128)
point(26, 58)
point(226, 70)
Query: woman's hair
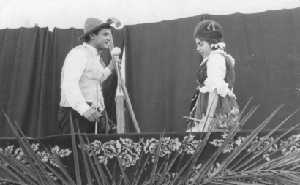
point(210, 31)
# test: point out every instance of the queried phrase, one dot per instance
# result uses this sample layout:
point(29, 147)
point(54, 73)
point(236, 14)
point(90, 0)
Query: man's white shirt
point(81, 78)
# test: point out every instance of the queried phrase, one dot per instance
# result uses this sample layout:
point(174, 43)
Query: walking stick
point(121, 83)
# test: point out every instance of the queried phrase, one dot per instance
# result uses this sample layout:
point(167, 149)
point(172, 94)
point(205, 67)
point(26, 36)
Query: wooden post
point(120, 111)
point(120, 69)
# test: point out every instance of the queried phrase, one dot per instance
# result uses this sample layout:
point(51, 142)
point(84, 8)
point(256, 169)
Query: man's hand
point(115, 52)
point(112, 65)
point(92, 114)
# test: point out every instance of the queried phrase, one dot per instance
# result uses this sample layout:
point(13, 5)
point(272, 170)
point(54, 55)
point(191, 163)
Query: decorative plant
point(270, 159)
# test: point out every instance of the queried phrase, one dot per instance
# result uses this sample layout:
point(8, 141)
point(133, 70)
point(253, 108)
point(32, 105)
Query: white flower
point(190, 147)
point(175, 145)
point(188, 138)
point(115, 51)
point(266, 157)
point(111, 148)
point(35, 146)
point(44, 156)
point(55, 149)
point(217, 142)
point(103, 159)
point(19, 153)
point(150, 145)
point(239, 141)
point(219, 45)
point(9, 149)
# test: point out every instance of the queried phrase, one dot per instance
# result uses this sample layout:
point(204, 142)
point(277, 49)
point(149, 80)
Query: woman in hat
point(214, 99)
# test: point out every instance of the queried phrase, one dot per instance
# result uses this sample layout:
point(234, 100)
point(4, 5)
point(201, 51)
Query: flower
point(151, 145)
point(175, 144)
point(8, 149)
point(111, 148)
point(19, 153)
point(102, 159)
point(127, 160)
point(43, 155)
point(35, 146)
point(115, 51)
point(219, 45)
point(190, 148)
point(60, 152)
point(291, 144)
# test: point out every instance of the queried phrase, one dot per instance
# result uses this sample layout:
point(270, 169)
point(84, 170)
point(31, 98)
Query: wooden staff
point(121, 83)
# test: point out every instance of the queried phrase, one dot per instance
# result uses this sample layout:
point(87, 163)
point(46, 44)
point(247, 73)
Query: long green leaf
point(264, 149)
point(207, 166)
point(155, 165)
point(85, 161)
point(245, 107)
point(104, 179)
point(109, 174)
point(192, 161)
point(19, 169)
point(247, 142)
point(9, 174)
point(75, 152)
point(65, 178)
point(94, 170)
point(140, 171)
point(276, 162)
point(34, 161)
point(124, 176)
point(237, 163)
point(64, 172)
point(11, 181)
point(272, 143)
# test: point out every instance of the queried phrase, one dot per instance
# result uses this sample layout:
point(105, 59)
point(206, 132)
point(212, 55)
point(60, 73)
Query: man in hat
point(81, 80)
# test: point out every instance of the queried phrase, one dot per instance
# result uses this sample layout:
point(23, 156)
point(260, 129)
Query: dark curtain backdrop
point(161, 69)
point(30, 64)
point(162, 65)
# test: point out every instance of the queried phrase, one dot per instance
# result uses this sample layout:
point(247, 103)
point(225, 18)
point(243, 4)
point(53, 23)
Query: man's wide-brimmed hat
point(93, 24)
